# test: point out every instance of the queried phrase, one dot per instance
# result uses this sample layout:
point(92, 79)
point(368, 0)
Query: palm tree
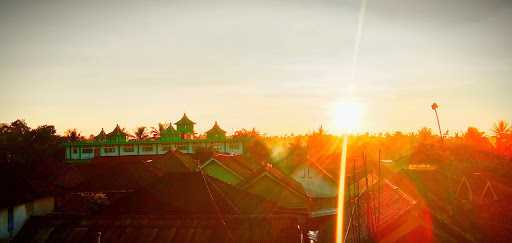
point(501, 129)
point(155, 132)
point(141, 133)
point(72, 135)
point(503, 133)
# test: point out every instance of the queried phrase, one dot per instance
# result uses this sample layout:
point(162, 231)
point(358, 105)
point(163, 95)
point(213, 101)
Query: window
point(183, 147)
point(147, 148)
point(87, 150)
point(234, 146)
point(166, 148)
point(75, 150)
point(109, 149)
point(128, 148)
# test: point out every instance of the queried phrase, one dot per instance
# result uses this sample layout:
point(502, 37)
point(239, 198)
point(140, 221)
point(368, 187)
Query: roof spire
point(184, 120)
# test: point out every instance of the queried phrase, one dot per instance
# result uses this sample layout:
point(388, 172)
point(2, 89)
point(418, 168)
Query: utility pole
point(435, 107)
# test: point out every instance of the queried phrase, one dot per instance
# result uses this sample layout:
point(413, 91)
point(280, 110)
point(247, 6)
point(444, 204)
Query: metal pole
point(434, 107)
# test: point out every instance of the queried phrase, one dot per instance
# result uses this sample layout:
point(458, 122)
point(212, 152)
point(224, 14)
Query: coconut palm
point(72, 135)
point(155, 132)
point(141, 133)
point(501, 129)
point(503, 133)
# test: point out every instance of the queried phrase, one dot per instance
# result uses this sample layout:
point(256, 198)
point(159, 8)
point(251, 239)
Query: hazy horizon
point(279, 66)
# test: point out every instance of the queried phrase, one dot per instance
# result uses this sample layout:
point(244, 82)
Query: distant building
point(183, 139)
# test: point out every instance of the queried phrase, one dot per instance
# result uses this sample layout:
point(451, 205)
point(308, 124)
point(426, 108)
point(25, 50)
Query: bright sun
point(346, 116)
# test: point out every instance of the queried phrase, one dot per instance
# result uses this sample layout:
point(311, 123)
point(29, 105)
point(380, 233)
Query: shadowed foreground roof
point(189, 194)
point(16, 189)
point(178, 207)
point(156, 229)
point(120, 173)
point(234, 163)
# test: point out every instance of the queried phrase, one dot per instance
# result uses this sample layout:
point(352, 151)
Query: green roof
point(184, 120)
point(215, 129)
point(117, 131)
point(170, 128)
point(169, 131)
point(101, 136)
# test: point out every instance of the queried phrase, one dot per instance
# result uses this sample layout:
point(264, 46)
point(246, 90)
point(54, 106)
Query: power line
point(217, 209)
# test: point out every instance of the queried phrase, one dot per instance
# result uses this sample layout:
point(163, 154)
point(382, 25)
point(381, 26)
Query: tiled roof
point(175, 161)
point(277, 175)
point(189, 194)
point(117, 131)
point(184, 120)
point(234, 163)
point(395, 206)
point(160, 229)
point(101, 136)
point(215, 129)
point(16, 189)
point(171, 127)
point(179, 207)
point(119, 172)
point(321, 170)
point(120, 177)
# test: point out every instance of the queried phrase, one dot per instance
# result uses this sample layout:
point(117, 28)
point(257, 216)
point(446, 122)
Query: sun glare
point(346, 116)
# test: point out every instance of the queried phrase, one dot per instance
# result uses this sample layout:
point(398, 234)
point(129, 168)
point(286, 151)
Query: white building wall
point(114, 152)
point(153, 149)
point(184, 148)
point(125, 149)
point(234, 148)
point(76, 153)
point(87, 155)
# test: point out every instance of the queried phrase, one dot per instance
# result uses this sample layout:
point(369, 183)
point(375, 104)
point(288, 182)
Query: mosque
point(182, 138)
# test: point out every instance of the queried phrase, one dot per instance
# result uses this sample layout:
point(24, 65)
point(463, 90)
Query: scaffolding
point(363, 202)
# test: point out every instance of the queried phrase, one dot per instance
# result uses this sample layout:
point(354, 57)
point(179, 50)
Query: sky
point(279, 66)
